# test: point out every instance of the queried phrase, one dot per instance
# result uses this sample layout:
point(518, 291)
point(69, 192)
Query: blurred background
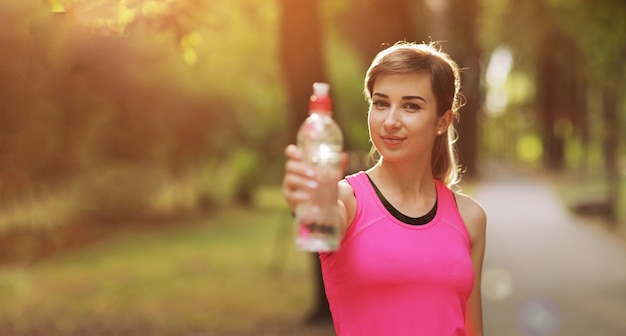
point(141, 144)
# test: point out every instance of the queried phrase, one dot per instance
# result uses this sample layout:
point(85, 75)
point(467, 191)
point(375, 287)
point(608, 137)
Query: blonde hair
point(408, 57)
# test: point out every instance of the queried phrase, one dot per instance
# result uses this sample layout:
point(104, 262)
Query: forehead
point(400, 85)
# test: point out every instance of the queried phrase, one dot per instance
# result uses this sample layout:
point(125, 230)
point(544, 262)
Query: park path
point(546, 271)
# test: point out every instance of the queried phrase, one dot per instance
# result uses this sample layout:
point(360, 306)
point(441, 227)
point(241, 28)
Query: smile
point(391, 140)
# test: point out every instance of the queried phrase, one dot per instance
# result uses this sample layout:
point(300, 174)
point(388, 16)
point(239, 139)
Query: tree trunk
point(548, 102)
point(301, 55)
point(302, 60)
point(581, 115)
point(372, 24)
point(611, 145)
point(465, 50)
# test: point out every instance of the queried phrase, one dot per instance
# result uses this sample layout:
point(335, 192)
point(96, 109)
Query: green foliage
point(573, 54)
point(529, 149)
point(191, 91)
point(346, 71)
point(232, 179)
point(599, 30)
point(79, 97)
point(346, 74)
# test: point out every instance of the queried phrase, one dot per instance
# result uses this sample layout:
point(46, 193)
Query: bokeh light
point(497, 284)
point(539, 317)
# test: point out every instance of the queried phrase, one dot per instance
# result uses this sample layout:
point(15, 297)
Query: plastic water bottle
point(321, 142)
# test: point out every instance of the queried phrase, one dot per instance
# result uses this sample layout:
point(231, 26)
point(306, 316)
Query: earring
point(438, 132)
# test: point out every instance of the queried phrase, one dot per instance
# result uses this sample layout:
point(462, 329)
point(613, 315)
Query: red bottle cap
point(320, 100)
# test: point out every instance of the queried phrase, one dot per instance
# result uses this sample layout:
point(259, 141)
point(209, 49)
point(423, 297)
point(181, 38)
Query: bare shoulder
point(473, 215)
point(346, 196)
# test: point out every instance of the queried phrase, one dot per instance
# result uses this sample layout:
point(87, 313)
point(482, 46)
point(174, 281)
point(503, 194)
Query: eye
point(380, 104)
point(412, 107)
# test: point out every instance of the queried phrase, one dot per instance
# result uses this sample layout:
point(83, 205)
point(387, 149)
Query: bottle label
point(307, 229)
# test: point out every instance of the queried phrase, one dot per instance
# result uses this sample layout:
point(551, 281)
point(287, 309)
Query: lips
point(391, 140)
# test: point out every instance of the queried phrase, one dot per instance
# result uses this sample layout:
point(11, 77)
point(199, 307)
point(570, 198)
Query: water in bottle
point(321, 142)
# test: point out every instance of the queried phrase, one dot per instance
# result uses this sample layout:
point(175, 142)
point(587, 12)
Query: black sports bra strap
point(400, 216)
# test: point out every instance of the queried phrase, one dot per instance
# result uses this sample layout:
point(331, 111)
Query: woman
point(411, 256)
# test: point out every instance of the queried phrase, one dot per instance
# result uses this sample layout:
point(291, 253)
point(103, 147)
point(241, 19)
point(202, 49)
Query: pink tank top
point(392, 278)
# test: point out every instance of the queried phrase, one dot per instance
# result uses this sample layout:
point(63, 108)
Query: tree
point(575, 53)
point(302, 60)
point(371, 24)
point(456, 28)
point(465, 49)
point(598, 30)
point(301, 55)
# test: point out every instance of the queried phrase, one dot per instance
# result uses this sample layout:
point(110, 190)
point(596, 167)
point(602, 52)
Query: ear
point(443, 122)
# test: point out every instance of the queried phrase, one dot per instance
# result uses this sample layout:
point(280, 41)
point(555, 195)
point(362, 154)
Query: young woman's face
point(402, 118)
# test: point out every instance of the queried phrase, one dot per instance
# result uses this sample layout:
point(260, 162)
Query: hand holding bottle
point(311, 175)
point(299, 181)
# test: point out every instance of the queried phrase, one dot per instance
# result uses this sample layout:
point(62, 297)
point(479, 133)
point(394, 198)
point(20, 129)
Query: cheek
point(371, 122)
point(373, 129)
point(375, 118)
point(427, 124)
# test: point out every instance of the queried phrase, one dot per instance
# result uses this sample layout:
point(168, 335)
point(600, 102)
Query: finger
point(293, 152)
point(297, 189)
point(297, 197)
point(295, 182)
point(299, 168)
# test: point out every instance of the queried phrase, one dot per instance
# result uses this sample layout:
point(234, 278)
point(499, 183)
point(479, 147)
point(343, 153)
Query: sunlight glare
point(190, 56)
point(125, 14)
point(56, 6)
point(498, 71)
point(150, 8)
point(188, 43)
point(154, 8)
point(437, 6)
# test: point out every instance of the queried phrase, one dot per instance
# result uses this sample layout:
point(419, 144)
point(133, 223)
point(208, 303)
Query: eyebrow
point(403, 98)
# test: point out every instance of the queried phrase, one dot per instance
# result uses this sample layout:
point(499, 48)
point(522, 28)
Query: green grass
point(233, 273)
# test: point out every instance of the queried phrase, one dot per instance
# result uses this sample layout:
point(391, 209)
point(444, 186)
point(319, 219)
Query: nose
point(392, 119)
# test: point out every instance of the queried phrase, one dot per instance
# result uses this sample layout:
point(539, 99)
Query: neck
point(410, 181)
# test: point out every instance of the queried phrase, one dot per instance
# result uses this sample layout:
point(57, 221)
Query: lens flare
point(497, 284)
point(540, 317)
